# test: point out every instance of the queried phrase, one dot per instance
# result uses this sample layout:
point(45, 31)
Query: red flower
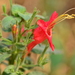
point(43, 32)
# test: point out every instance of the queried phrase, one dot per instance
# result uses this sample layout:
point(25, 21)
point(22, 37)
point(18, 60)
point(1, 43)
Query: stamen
point(69, 10)
point(62, 17)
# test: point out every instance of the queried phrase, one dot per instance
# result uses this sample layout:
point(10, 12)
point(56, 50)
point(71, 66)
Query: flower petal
point(42, 24)
point(39, 35)
point(49, 37)
point(53, 17)
point(31, 45)
point(50, 42)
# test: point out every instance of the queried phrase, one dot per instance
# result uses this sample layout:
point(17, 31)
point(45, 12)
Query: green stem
point(23, 32)
point(18, 62)
point(10, 6)
point(13, 56)
point(29, 22)
point(0, 30)
point(41, 56)
point(30, 65)
point(19, 33)
point(44, 51)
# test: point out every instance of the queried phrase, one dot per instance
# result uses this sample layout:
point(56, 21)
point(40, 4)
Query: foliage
point(36, 73)
point(14, 48)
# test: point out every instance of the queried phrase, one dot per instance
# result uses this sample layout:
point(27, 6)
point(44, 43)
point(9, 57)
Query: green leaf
point(4, 56)
point(6, 29)
point(25, 16)
point(20, 46)
point(10, 70)
point(8, 22)
point(27, 41)
point(39, 16)
point(6, 41)
point(13, 74)
point(38, 49)
point(3, 49)
point(33, 26)
point(18, 19)
point(28, 60)
point(17, 8)
point(44, 61)
point(31, 19)
point(36, 73)
point(0, 34)
point(4, 9)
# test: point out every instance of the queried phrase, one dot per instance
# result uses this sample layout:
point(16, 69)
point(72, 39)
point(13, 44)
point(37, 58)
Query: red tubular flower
point(43, 32)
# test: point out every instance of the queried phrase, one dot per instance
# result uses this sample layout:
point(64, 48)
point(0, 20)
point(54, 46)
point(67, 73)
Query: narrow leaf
point(4, 56)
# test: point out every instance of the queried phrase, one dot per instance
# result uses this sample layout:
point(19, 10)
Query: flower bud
point(14, 30)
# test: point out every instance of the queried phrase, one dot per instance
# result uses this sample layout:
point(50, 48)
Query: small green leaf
point(43, 61)
point(20, 46)
point(38, 49)
point(39, 16)
point(36, 73)
point(6, 41)
point(28, 60)
point(0, 34)
point(7, 22)
point(4, 9)
point(27, 41)
point(4, 56)
point(1, 48)
point(18, 8)
point(29, 34)
point(25, 16)
point(6, 29)
point(31, 19)
point(9, 70)
point(18, 19)
point(33, 26)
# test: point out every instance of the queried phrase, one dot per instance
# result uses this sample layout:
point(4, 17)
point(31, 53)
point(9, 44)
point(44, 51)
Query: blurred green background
point(63, 38)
